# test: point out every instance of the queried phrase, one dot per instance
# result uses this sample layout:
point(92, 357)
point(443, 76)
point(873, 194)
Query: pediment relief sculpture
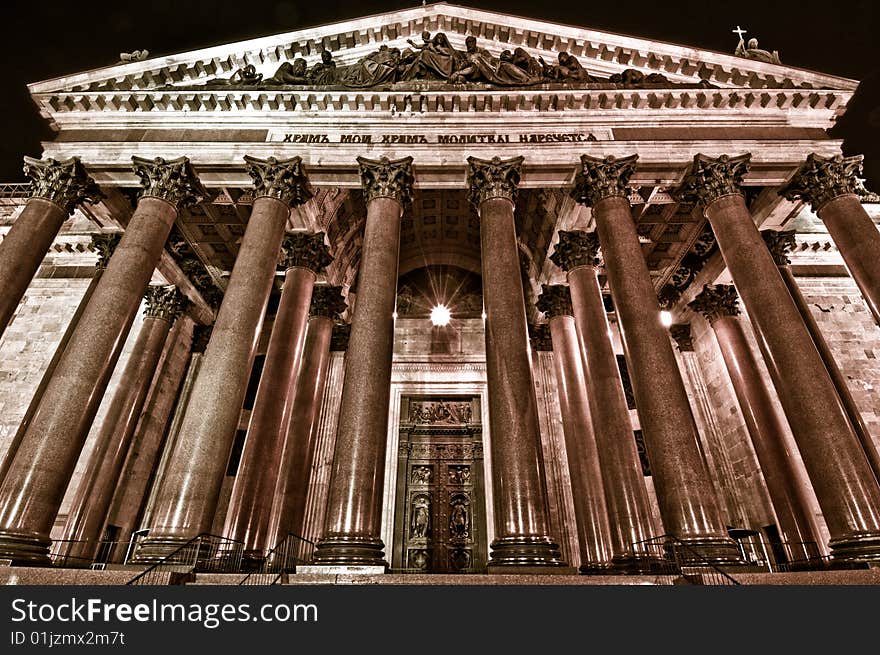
point(435, 61)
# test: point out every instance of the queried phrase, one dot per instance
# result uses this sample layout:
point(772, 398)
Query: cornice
point(476, 99)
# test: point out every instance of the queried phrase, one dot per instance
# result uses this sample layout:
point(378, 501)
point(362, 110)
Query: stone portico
point(293, 225)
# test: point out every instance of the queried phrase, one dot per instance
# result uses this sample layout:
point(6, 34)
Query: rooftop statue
point(752, 51)
point(435, 60)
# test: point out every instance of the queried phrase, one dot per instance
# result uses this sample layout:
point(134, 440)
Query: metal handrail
point(668, 548)
point(292, 551)
point(63, 560)
point(203, 553)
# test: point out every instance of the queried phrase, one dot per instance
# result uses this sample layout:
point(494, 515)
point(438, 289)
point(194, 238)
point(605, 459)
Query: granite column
point(718, 304)
point(687, 500)
point(104, 244)
point(845, 486)
point(522, 518)
point(292, 486)
point(626, 496)
point(187, 498)
point(779, 244)
point(352, 525)
point(594, 533)
point(39, 473)
point(94, 494)
point(250, 506)
point(57, 187)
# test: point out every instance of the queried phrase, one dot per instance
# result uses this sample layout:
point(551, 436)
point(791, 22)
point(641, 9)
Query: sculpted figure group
point(434, 59)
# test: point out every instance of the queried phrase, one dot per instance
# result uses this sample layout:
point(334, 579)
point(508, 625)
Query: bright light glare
point(440, 315)
point(665, 318)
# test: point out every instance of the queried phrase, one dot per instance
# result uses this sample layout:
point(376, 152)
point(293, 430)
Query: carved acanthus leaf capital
point(328, 302)
point(282, 179)
point(173, 181)
point(555, 300)
point(709, 179)
point(164, 301)
point(780, 243)
point(681, 334)
point(716, 301)
point(493, 178)
point(387, 178)
point(65, 183)
point(576, 248)
point(668, 296)
point(104, 245)
point(597, 178)
point(305, 250)
point(822, 179)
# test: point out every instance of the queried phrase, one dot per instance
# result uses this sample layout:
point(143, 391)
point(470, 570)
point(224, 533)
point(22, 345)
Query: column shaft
point(36, 480)
point(142, 463)
point(250, 507)
point(837, 377)
point(684, 490)
point(22, 250)
point(522, 525)
point(594, 533)
point(839, 470)
point(187, 499)
point(625, 493)
point(354, 507)
point(291, 490)
point(858, 241)
point(765, 429)
point(95, 492)
point(47, 374)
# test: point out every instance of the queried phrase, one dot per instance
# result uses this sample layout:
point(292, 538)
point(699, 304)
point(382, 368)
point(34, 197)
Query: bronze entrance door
point(440, 522)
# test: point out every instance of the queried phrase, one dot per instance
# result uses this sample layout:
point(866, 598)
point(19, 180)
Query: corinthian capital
point(327, 302)
point(598, 179)
point(709, 179)
point(105, 244)
point(65, 183)
point(493, 178)
point(555, 300)
point(164, 301)
point(716, 301)
point(387, 178)
point(173, 181)
point(284, 180)
point(574, 249)
point(822, 179)
point(305, 250)
point(779, 243)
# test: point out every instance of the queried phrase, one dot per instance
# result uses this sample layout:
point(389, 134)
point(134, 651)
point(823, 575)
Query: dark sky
point(47, 38)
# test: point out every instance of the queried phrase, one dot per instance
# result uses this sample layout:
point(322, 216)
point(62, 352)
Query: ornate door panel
point(440, 526)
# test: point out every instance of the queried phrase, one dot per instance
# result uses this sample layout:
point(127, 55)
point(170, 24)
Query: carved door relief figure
point(439, 511)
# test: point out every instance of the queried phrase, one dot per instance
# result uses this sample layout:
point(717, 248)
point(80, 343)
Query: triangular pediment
point(601, 54)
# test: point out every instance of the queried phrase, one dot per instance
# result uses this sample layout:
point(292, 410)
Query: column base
point(153, 550)
point(857, 548)
point(638, 565)
point(596, 568)
point(699, 550)
point(349, 550)
point(25, 549)
point(525, 551)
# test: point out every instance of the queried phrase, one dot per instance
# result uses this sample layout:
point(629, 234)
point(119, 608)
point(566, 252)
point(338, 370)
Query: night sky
point(49, 38)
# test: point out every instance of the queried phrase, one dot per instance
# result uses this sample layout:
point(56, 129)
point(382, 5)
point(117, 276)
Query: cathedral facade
point(442, 291)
